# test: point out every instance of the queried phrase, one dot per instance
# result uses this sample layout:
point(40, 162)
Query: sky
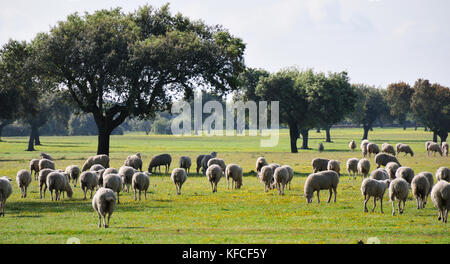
point(377, 42)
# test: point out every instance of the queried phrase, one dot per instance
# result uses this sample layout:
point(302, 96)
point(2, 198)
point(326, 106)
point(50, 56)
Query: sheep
point(140, 181)
point(388, 148)
point(334, 165)
point(324, 180)
point(427, 144)
point(291, 174)
point(5, 192)
point(398, 190)
point(103, 203)
point(134, 161)
point(321, 147)
point(88, 181)
point(219, 162)
point(266, 176)
point(96, 167)
point(443, 173)
point(46, 156)
point(373, 148)
point(420, 187)
point(352, 167)
point(319, 164)
point(57, 181)
point(352, 145)
point(113, 182)
point(34, 167)
point(406, 173)
point(376, 189)
point(363, 167)
point(429, 177)
point(200, 158)
point(178, 176)
point(379, 174)
point(43, 180)
point(185, 163)
point(160, 160)
point(214, 173)
point(23, 179)
point(434, 147)
point(440, 195)
point(235, 173)
point(74, 172)
point(260, 162)
point(126, 173)
point(97, 159)
point(384, 158)
point(444, 147)
point(280, 176)
point(392, 168)
point(405, 149)
point(46, 164)
point(364, 144)
point(205, 161)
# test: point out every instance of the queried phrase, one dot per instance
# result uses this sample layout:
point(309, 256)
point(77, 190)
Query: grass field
point(230, 216)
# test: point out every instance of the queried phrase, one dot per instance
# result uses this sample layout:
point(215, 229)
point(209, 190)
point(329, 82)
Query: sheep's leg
point(109, 216)
point(45, 189)
point(135, 197)
point(318, 199)
point(439, 214)
point(365, 203)
point(84, 191)
point(140, 195)
point(444, 218)
point(374, 204)
point(145, 194)
point(118, 198)
point(335, 193)
point(104, 221)
point(282, 187)
point(91, 193)
point(99, 220)
point(393, 208)
point(40, 192)
point(331, 194)
point(228, 184)
point(51, 193)
point(381, 205)
point(399, 207)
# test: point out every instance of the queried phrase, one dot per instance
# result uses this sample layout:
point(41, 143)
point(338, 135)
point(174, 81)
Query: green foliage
point(398, 97)
point(161, 126)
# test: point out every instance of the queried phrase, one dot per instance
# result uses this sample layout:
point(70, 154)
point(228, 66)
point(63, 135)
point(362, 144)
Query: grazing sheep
point(388, 148)
point(352, 167)
point(440, 195)
point(214, 173)
point(46, 164)
point(46, 156)
point(110, 171)
point(113, 182)
point(266, 176)
point(434, 147)
point(420, 187)
point(34, 166)
point(324, 180)
point(319, 164)
point(5, 192)
point(185, 163)
point(23, 179)
point(260, 162)
point(291, 174)
point(398, 189)
point(43, 180)
point(141, 182)
point(405, 149)
point(406, 173)
point(427, 144)
point(363, 167)
point(103, 203)
point(97, 159)
point(74, 172)
point(200, 158)
point(280, 177)
point(57, 181)
point(219, 162)
point(364, 144)
point(379, 174)
point(443, 173)
point(429, 177)
point(374, 188)
point(321, 147)
point(444, 147)
point(334, 165)
point(126, 173)
point(96, 167)
point(352, 145)
point(235, 173)
point(134, 161)
point(373, 148)
point(178, 176)
point(392, 168)
point(384, 158)
point(88, 181)
point(160, 160)
point(205, 161)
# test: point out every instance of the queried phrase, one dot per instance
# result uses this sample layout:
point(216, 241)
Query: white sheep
point(126, 173)
point(23, 179)
point(266, 176)
point(406, 173)
point(324, 180)
point(352, 145)
point(43, 181)
point(364, 144)
point(34, 167)
point(379, 174)
point(260, 162)
point(352, 167)
point(57, 181)
point(96, 167)
point(440, 195)
point(214, 173)
point(405, 149)
point(113, 182)
point(291, 174)
point(444, 147)
point(420, 187)
point(103, 203)
point(398, 190)
point(178, 176)
point(388, 148)
point(219, 162)
point(235, 173)
point(334, 165)
point(363, 167)
point(140, 182)
point(392, 168)
point(97, 159)
point(280, 176)
point(376, 189)
point(134, 161)
point(88, 181)
point(46, 156)
point(5, 192)
point(373, 148)
point(434, 147)
point(46, 164)
point(74, 172)
point(443, 173)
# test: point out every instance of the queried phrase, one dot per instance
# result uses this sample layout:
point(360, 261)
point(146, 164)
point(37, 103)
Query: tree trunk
point(425, 128)
point(32, 138)
point(293, 134)
point(103, 141)
point(327, 130)
point(404, 125)
point(366, 132)
point(435, 136)
point(443, 136)
point(318, 130)
point(37, 141)
point(1, 130)
point(304, 133)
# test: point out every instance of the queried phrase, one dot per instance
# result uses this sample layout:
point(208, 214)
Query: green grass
point(230, 216)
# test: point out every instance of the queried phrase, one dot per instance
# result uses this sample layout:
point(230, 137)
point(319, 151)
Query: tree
point(248, 82)
point(430, 104)
point(398, 97)
point(118, 65)
point(370, 106)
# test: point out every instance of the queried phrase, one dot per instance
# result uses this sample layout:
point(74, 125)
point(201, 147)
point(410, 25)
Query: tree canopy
point(398, 97)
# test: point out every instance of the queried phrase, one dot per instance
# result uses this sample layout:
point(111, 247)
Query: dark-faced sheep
point(200, 158)
point(158, 161)
point(185, 163)
point(46, 156)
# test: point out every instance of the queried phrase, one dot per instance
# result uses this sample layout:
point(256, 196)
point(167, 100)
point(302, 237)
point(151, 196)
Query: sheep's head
point(308, 197)
point(214, 154)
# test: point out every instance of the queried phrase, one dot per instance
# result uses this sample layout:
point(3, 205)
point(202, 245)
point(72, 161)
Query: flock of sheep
point(96, 175)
